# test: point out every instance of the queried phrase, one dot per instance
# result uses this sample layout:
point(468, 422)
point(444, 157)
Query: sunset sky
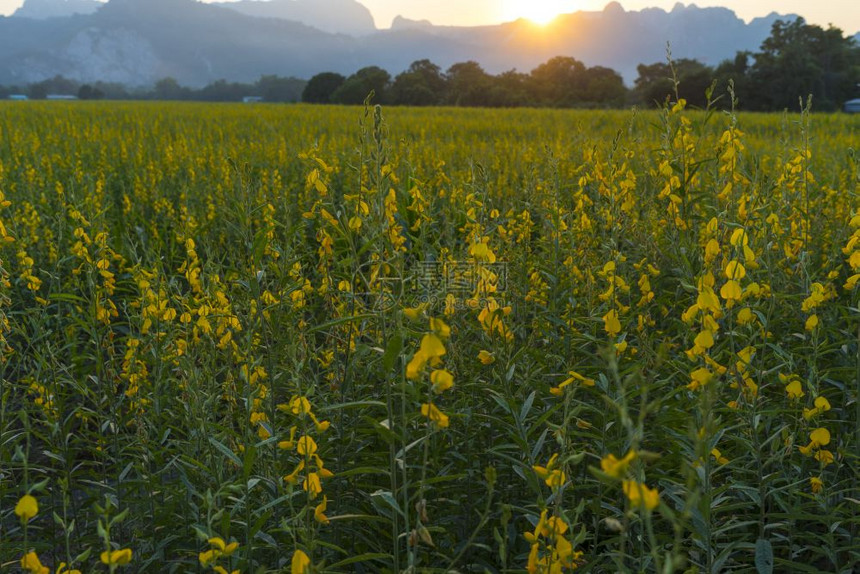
point(842, 13)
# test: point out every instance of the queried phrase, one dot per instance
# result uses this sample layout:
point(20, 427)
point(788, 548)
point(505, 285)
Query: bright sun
point(538, 11)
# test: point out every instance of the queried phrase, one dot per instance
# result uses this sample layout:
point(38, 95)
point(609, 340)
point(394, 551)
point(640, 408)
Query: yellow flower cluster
point(310, 463)
point(551, 552)
point(429, 354)
point(218, 549)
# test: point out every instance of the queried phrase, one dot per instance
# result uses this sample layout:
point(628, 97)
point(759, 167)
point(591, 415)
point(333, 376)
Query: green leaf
point(226, 452)
point(392, 351)
point(387, 499)
point(360, 558)
point(763, 556)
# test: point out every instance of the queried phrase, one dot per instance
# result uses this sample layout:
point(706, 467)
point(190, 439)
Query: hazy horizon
point(839, 13)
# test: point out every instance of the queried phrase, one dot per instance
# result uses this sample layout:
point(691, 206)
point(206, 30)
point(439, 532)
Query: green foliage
point(203, 305)
point(796, 61)
point(321, 87)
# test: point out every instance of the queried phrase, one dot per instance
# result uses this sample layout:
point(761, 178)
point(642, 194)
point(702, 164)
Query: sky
point(844, 14)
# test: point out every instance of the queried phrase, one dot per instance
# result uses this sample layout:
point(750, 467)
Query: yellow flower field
point(320, 339)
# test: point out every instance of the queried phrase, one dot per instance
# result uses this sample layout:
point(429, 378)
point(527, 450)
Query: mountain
point(42, 9)
point(137, 42)
point(401, 23)
point(332, 16)
point(613, 37)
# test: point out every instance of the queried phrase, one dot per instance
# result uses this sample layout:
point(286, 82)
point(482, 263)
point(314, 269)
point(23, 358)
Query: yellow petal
point(27, 508)
point(301, 564)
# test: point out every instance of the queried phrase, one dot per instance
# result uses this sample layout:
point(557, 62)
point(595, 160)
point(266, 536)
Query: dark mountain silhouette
point(137, 42)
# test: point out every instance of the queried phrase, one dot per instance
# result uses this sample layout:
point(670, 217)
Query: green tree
point(655, 82)
point(421, 85)
point(510, 90)
point(57, 85)
point(87, 92)
point(468, 84)
point(358, 86)
point(560, 82)
point(222, 91)
point(278, 89)
point(169, 89)
point(799, 60)
point(320, 88)
point(736, 71)
point(604, 87)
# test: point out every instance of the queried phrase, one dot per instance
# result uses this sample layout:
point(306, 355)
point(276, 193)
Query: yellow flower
point(431, 346)
point(321, 426)
point(30, 562)
point(705, 339)
point(816, 484)
point(533, 562)
point(27, 508)
point(719, 456)
point(794, 389)
point(735, 271)
point(820, 437)
point(300, 405)
point(116, 557)
point(436, 416)
point(207, 556)
point(482, 252)
point(615, 467)
point(312, 484)
point(700, 377)
point(731, 292)
point(414, 313)
point(811, 323)
point(821, 405)
point(745, 316)
point(221, 547)
point(611, 324)
point(319, 511)
point(416, 366)
point(573, 377)
point(825, 457)
point(306, 446)
point(486, 358)
point(706, 301)
point(552, 476)
point(739, 237)
point(442, 381)
point(439, 327)
point(301, 564)
point(430, 350)
point(293, 477)
point(222, 570)
point(289, 444)
point(61, 569)
point(640, 495)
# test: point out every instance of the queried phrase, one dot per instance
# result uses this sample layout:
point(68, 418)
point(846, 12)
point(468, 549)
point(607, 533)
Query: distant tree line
point(561, 82)
point(796, 61)
point(267, 88)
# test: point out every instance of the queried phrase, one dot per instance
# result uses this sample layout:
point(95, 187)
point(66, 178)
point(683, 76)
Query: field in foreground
point(313, 339)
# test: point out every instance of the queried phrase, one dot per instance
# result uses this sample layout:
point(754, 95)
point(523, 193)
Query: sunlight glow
point(540, 12)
